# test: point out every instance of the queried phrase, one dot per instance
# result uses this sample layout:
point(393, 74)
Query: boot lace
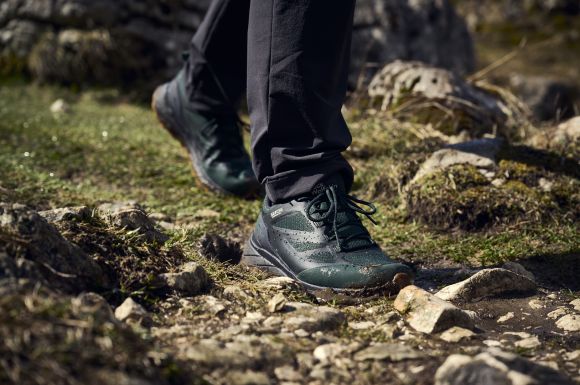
point(326, 207)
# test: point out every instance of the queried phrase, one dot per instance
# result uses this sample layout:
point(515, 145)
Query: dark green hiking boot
point(321, 242)
point(214, 142)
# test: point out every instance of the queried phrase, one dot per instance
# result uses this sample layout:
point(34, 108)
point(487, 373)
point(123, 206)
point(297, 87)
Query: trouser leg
point(298, 53)
point(219, 45)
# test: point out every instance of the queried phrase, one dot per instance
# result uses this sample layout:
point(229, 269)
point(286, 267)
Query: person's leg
point(298, 53)
point(198, 106)
point(308, 228)
point(216, 64)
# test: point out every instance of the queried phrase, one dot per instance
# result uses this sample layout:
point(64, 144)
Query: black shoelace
point(337, 202)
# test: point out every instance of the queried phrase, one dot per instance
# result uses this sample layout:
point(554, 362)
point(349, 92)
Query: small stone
point(492, 343)
point(130, 216)
point(545, 184)
point(133, 313)
point(520, 335)
point(364, 325)
point(314, 318)
point(456, 334)
point(569, 323)
point(277, 303)
point(213, 305)
point(235, 292)
point(559, 312)
point(287, 373)
point(273, 322)
point(66, 214)
point(552, 296)
point(59, 106)
point(429, 314)
point(528, 343)
point(326, 354)
point(576, 304)
point(279, 283)
point(487, 283)
point(389, 352)
point(572, 356)
point(536, 304)
point(495, 367)
point(191, 280)
point(301, 333)
point(505, 317)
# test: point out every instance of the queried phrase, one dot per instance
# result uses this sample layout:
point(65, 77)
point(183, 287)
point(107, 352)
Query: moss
point(461, 197)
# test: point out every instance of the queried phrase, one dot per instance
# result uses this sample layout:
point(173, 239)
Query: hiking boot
point(321, 242)
point(214, 142)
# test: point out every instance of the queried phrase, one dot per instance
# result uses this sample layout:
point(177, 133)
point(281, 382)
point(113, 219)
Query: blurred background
point(530, 46)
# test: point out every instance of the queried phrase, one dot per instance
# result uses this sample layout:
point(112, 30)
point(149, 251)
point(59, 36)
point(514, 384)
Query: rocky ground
point(97, 288)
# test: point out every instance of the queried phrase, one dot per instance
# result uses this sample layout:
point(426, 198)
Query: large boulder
point(119, 41)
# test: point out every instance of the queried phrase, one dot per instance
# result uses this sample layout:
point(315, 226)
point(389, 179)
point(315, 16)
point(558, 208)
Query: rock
point(506, 317)
point(66, 214)
point(576, 304)
point(280, 283)
point(313, 318)
point(363, 325)
point(94, 305)
point(133, 313)
point(436, 96)
point(565, 136)
point(287, 373)
point(569, 323)
point(59, 107)
point(495, 367)
point(213, 305)
point(277, 303)
point(131, 217)
point(528, 343)
point(557, 313)
point(123, 42)
point(217, 248)
point(480, 153)
point(487, 283)
point(326, 354)
point(536, 304)
point(34, 249)
point(236, 292)
point(456, 334)
point(547, 98)
point(388, 352)
point(518, 269)
point(190, 280)
point(429, 314)
point(572, 356)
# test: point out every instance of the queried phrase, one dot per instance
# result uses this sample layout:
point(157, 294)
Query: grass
point(109, 150)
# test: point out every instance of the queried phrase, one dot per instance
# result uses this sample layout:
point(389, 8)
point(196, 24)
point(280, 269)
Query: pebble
point(456, 334)
point(559, 312)
point(506, 317)
point(277, 303)
point(569, 323)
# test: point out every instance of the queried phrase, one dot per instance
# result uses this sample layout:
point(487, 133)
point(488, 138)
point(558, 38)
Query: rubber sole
point(262, 259)
point(169, 124)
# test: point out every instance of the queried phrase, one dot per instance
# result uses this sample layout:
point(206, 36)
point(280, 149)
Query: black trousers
point(292, 57)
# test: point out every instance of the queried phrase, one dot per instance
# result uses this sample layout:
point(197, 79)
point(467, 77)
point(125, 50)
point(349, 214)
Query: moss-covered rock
point(465, 197)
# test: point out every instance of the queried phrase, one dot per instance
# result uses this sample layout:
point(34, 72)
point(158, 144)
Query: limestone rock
point(40, 253)
point(496, 367)
point(133, 313)
point(388, 352)
point(280, 283)
point(481, 153)
point(313, 318)
point(66, 214)
point(528, 343)
point(277, 303)
point(59, 107)
point(506, 317)
point(429, 314)
point(566, 135)
point(131, 217)
point(487, 283)
point(558, 312)
point(570, 323)
point(438, 96)
point(519, 269)
point(576, 304)
point(190, 280)
point(456, 334)
point(327, 353)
